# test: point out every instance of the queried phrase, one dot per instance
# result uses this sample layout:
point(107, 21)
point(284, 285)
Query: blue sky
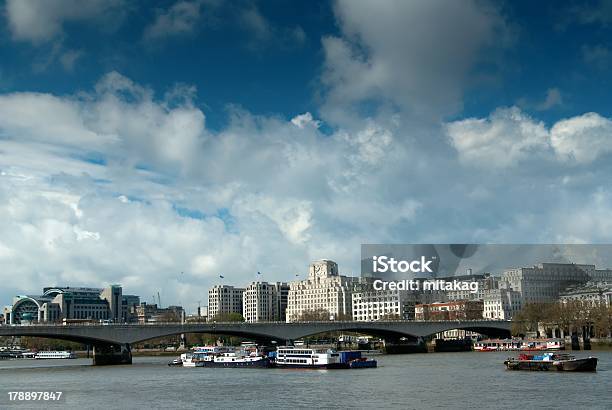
point(142, 139)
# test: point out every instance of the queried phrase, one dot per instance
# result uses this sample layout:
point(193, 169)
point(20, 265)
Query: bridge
point(112, 342)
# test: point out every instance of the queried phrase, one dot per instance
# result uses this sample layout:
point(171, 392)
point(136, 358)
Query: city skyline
point(160, 145)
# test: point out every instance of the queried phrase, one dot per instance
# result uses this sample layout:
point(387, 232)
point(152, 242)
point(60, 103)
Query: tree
point(317, 315)
point(229, 317)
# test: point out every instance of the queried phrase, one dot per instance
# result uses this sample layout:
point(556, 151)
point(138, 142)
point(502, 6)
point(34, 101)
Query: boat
point(552, 361)
point(495, 345)
point(55, 354)
point(308, 358)
point(176, 362)
point(225, 359)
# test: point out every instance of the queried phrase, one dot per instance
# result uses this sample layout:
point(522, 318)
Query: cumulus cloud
point(415, 55)
point(305, 120)
point(582, 138)
point(509, 136)
point(116, 185)
point(41, 21)
point(119, 184)
point(502, 140)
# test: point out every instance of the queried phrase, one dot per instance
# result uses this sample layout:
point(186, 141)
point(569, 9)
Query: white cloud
point(305, 120)
point(116, 185)
point(502, 140)
point(41, 21)
point(510, 136)
point(582, 138)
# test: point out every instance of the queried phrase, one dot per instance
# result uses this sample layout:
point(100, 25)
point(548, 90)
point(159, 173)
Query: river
point(434, 380)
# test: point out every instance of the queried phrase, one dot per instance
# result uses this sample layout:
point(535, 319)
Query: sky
point(161, 144)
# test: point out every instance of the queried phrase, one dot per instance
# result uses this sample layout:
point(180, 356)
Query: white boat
point(212, 349)
point(300, 357)
point(226, 359)
point(55, 354)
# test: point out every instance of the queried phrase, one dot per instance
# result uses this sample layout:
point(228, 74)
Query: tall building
point(369, 304)
point(265, 302)
point(324, 292)
point(73, 303)
point(224, 299)
point(544, 281)
point(501, 303)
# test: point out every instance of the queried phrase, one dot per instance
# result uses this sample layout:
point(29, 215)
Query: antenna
point(159, 300)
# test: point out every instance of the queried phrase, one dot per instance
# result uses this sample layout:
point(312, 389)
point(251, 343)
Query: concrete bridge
point(112, 342)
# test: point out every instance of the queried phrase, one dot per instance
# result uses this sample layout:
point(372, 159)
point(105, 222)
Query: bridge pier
point(111, 354)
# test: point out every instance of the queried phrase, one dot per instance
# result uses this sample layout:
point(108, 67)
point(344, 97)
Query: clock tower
point(323, 269)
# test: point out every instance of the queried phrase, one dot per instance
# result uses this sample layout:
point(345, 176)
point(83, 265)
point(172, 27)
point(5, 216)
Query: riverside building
point(57, 304)
point(371, 304)
point(324, 291)
point(592, 293)
point(224, 299)
point(265, 302)
point(501, 304)
point(455, 310)
point(544, 281)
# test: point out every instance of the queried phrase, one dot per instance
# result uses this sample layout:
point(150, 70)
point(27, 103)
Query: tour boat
point(552, 361)
point(226, 359)
point(54, 354)
point(493, 345)
point(300, 357)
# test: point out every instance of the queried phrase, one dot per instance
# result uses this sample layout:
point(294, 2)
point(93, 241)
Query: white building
point(593, 293)
point(501, 304)
point(543, 282)
point(324, 291)
point(56, 304)
point(224, 299)
point(265, 302)
point(371, 305)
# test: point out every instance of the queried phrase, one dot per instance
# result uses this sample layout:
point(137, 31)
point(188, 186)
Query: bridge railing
point(53, 324)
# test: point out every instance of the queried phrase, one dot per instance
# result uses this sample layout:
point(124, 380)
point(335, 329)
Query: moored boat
point(54, 354)
point(308, 358)
point(552, 361)
point(226, 359)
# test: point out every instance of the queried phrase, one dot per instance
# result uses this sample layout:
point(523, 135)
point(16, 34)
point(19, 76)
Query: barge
point(551, 362)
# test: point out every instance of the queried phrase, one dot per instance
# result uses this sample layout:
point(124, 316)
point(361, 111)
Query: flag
point(221, 276)
point(259, 273)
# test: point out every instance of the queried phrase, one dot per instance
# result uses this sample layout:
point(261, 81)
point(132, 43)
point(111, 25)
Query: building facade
point(57, 304)
point(592, 293)
point(265, 302)
point(501, 304)
point(151, 313)
point(369, 305)
point(543, 282)
point(455, 310)
point(325, 292)
point(224, 299)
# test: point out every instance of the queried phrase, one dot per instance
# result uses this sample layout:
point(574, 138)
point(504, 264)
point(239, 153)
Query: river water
point(434, 380)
